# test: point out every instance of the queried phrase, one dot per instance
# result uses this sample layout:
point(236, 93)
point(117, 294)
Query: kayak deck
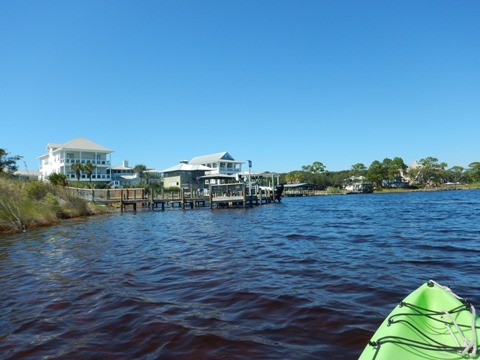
point(431, 323)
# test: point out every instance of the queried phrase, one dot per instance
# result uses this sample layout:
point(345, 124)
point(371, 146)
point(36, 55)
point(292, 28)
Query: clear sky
point(283, 83)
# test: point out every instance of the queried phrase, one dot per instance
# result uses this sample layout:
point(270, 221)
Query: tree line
point(429, 172)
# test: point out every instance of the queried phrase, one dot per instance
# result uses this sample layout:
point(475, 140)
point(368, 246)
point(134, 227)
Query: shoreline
point(382, 191)
point(96, 209)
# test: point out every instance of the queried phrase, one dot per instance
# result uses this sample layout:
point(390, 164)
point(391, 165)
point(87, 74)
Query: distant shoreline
point(384, 191)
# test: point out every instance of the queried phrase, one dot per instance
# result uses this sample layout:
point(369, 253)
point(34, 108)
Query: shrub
point(333, 190)
point(36, 190)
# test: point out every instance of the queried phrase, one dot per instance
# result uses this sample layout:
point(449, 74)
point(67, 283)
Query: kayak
point(431, 323)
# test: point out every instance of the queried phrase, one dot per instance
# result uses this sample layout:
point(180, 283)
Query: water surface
point(310, 278)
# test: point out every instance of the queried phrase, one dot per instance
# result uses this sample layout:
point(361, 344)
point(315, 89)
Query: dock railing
point(220, 195)
point(237, 194)
point(108, 196)
point(227, 190)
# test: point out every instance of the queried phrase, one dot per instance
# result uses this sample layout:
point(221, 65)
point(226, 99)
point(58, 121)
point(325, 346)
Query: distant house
point(183, 174)
point(398, 183)
point(123, 174)
point(60, 157)
point(27, 175)
point(357, 185)
point(219, 163)
point(202, 171)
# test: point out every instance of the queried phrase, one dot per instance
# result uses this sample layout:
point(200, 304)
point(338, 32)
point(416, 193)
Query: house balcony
point(85, 161)
point(229, 169)
point(84, 177)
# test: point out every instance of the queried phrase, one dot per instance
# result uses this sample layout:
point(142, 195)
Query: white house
point(211, 168)
point(60, 157)
point(220, 163)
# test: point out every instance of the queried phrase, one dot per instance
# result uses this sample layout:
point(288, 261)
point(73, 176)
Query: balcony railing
point(85, 161)
point(229, 169)
point(103, 177)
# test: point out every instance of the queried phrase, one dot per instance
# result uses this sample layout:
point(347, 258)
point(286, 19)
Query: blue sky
point(281, 83)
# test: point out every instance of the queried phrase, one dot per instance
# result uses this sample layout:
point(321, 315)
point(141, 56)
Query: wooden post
point(210, 196)
point(182, 198)
point(244, 194)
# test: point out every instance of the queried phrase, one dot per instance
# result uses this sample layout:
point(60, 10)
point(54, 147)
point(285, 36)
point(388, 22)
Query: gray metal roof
point(122, 167)
point(186, 167)
point(80, 143)
point(213, 158)
point(217, 176)
point(298, 185)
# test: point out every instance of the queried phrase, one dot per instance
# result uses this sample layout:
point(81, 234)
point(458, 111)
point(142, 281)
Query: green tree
point(316, 167)
point(293, 177)
point(376, 173)
point(8, 164)
point(140, 170)
point(396, 168)
point(456, 174)
point(77, 168)
point(474, 171)
point(88, 168)
point(432, 172)
point(337, 178)
point(358, 169)
point(58, 179)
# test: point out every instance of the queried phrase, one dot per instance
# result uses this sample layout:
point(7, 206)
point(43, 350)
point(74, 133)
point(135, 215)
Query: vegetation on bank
point(33, 203)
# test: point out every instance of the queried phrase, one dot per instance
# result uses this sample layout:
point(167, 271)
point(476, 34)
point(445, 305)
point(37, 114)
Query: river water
point(310, 278)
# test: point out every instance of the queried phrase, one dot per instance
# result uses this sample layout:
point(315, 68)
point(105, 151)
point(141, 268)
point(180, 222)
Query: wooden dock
point(183, 203)
point(220, 196)
point(239, 195)
point(155, 202)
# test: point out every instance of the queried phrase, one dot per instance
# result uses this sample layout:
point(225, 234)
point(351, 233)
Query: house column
point(63, 155)
point(109, 167)
point(96, 165)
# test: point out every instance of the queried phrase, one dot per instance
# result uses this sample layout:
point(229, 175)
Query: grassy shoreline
point(25, 205)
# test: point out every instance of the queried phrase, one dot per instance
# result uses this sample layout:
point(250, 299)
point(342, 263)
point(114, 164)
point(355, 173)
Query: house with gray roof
point(202, 170)
point(219, 163)
point(60, 157)
point(123, 174)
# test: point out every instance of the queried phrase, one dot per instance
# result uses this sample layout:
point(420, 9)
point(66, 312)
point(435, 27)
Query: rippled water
point(310, 278)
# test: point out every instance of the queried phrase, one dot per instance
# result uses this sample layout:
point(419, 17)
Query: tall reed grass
point(30, 204)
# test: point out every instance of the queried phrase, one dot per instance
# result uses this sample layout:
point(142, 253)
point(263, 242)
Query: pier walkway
point(217, 196)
